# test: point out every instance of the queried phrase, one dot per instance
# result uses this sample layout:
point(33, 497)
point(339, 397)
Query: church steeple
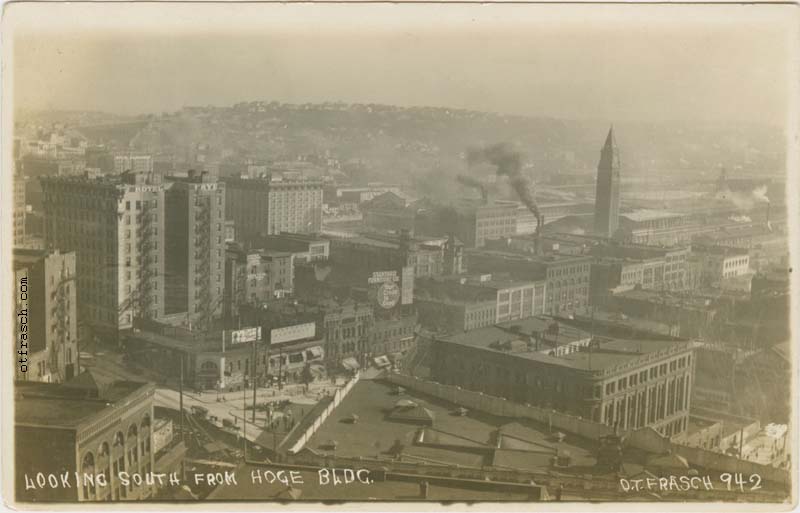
point(606, 203)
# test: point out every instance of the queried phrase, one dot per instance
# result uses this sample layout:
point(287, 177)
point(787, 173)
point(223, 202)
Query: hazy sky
point(603, 62)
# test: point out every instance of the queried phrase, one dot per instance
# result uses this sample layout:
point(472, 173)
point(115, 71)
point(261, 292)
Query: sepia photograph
point(387, 255)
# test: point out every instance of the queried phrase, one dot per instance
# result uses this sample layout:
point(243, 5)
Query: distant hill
point(424, 147)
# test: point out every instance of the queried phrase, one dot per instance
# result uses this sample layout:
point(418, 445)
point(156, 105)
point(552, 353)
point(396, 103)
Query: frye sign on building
point(243, 335)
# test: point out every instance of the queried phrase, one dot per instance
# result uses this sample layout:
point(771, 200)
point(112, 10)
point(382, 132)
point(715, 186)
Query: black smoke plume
point(509, 164)
point(473, 183)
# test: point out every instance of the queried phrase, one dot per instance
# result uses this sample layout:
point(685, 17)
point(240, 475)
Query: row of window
point(653, 372)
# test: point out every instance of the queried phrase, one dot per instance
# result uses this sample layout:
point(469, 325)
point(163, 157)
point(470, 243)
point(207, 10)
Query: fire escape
point(145, 260)
point(61, 319)
point(202, 260)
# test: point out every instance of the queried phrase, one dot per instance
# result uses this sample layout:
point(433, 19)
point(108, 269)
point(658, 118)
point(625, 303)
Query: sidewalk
point(234, 406)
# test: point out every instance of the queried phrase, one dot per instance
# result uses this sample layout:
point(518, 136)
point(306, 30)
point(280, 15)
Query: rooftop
point(644, 214)
point(294, 237)
point(527, 257)
point(366, 241)
point(71, 403)
point(718, 250)
point(665, 298)
point(607, 353)
point(743, 230)
point(311, 491)
point(452, 439)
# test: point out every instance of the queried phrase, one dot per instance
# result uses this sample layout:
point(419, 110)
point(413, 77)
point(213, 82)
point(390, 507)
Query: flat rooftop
point(454, 439)
point(646, 214)
point(527, 257)
point(311, 491)
point(667, 299)
point(68, 404)
point(609, 353)
point(743, 230)
point(719, 250)
point(366, 241)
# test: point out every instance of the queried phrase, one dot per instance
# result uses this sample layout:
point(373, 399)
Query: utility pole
point(280, 368)
point(244, 421)
point(180, 392)
point(255, 366)
point(591, 338)
point(183, 433)
point(741, 441)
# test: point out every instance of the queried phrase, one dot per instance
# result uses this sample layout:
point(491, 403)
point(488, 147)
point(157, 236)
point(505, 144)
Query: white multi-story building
point(115, 225)
point(137, 164)
point(271, 205)
point(719, 263)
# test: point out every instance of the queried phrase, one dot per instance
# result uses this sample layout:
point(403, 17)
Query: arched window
point(87, 469)
point(144, 443)
point(133, 450)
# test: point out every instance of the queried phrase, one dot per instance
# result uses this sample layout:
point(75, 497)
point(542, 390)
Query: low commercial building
point(255, 277)
point(455, 314)
point(389, 211)
point(686, 316)
point(623, 383)
point(347, 328)
point(473, 222)
point(470, 302)
point(432, 256)
point(566, 277)
point(89, 428)
point(304, 247)
point(228, 360)
point(553, 242)
point(654, 227)
point(612, 275)
point(135, 163)
point(663, 268)
point(391, 336)
point(721, 263)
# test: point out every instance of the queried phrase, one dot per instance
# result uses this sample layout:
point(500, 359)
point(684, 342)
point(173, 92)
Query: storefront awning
point(350, 364)
point(382, 361)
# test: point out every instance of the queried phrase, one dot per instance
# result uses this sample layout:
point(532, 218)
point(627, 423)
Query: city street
point(220, 405)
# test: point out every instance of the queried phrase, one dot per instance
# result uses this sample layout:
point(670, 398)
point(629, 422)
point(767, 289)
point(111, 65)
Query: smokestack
point(769, 225)
point(537, 243)
point(508, 164)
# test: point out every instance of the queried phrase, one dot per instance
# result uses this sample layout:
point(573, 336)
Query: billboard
point(292, 333)
point(384, 288)
point(244, 335)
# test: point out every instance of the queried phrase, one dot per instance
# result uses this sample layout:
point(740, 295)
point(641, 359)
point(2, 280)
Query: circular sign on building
point(388, 295)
